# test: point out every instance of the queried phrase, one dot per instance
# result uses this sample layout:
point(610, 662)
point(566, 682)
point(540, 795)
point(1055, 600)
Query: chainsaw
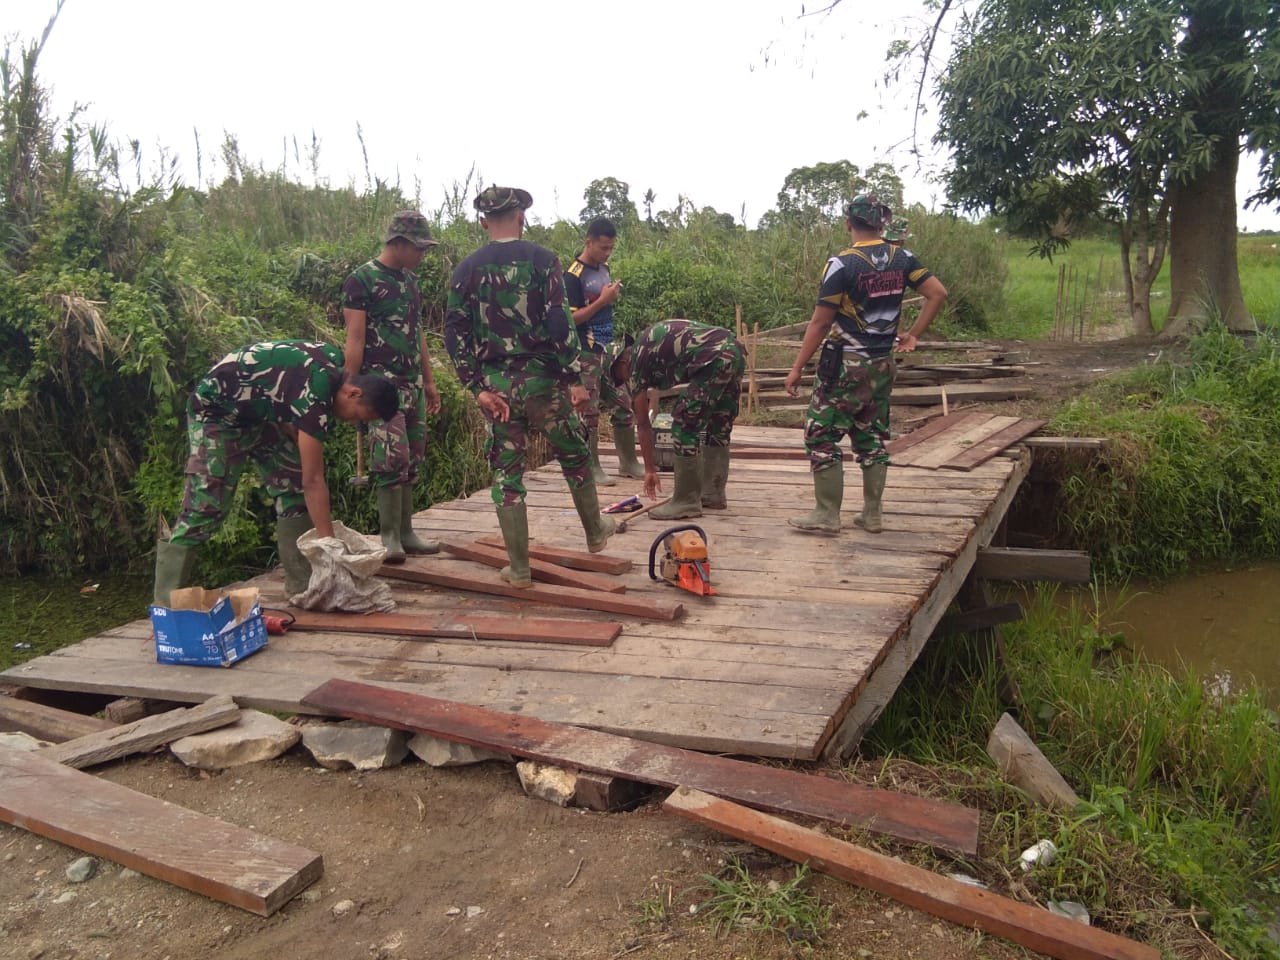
point(684, 563)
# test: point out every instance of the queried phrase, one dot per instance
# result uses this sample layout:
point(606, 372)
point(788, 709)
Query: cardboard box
point(208, 628)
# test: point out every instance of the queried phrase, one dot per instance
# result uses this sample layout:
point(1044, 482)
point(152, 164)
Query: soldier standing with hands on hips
point(512, 341)
point(382, 311)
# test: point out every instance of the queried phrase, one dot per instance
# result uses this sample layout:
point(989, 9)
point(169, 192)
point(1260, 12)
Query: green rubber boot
point(686, 501)
point(297, 569)
point(173, 569)
point(514, 521)
point(601, 478)
point(413, 545)
point(624, 442)
point(715, 474)
point(390, 506)
point(873, 478)
point(598, 527)
point(828, 491)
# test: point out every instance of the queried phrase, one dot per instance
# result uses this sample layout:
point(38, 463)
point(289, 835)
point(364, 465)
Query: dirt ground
point(443, 863)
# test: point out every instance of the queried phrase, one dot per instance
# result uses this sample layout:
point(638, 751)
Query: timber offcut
point(806, 640)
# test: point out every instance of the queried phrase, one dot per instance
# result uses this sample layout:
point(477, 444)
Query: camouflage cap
point(412, 226)
point(868, 209)
point(502, 199)
point(617, 350)
point(897, 230)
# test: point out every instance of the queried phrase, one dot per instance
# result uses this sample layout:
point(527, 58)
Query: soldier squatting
point(539, 360)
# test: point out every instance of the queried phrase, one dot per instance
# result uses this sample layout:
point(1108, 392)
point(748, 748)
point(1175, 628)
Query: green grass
point(40, 615)
point(738, 901)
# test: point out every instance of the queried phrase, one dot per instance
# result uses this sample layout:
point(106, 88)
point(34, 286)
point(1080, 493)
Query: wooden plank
point(957, 393)
point(539, 569)
point(47, 723)
point(941, 825)
point(1027, 565)
point(1067, 443)
point(589, 633)
point(144, 734)
point(983, 619)
point(1021, 763)
point(984, 450)
point(573, 559)
point(649, 609)
point(951, 444)
point(898, 446)
point(1027, 925)
point(162, 840)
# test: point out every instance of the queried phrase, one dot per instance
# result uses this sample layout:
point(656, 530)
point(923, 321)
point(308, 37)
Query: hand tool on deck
point(360, 479)
point(685, 563)
point(626, 505)
point(623, 521)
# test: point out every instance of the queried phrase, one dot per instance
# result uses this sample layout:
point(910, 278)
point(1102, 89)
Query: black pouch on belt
point(830, 361)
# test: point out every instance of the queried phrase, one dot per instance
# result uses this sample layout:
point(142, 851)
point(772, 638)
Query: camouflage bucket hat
point(868, 209)
point(897, 230)
point(502, 199)
point(412, 226)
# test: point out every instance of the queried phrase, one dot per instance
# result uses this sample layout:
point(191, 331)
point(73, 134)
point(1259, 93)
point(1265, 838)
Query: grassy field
point(1093, 289)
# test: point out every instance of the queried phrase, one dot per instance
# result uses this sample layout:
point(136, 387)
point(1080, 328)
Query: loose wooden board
point(940, 825)
point(573, 559)
point(968, 906)
point(589, 633)
point(47, 723)
point(651, 609)
point(539, 569)
point(162, 840)
point(144, 734)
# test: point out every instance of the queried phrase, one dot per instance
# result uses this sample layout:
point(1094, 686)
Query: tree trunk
point(1203, 272)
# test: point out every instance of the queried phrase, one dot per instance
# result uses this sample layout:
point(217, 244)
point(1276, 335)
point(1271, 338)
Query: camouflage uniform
point(508, 331)
point(865, 284)
point(710, 360)
point(392, 304)
point(249, 409)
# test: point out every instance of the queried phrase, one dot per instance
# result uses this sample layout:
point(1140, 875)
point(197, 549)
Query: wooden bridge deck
point(807, 640)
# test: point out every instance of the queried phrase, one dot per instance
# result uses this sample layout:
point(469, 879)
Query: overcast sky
point(714, 99)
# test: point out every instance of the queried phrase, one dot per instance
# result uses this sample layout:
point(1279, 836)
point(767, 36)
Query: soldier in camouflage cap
point(269, 405)
point(494, 200)
point(855, 322)
point(514, 346)
point(897, 231)
point(382, 312)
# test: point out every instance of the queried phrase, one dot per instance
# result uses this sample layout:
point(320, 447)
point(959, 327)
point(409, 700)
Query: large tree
point(609, 197)
point(1143, 106)
point(818, 193)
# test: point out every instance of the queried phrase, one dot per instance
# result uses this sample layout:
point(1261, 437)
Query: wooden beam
point(983, 619)
point(957, 421)
point(1024, 924)
point(1020, 563)
point(160, 839)
point(1068, 443)
point(144, 734)
point(957, 393)
point(539, 569)
point(1021, 763)
point(573, 559)
point(649, 609)
point(984, 450)
point(944, 826)
point(47, 723)
point(589, 633)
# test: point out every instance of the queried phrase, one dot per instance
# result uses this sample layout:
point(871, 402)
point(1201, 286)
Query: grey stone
point(553, 784)
point(65, 897)
point(82, 869)
point(447, 753)
point(364, 746)
point(342, 908)
point(473, 912)
point(255, 737)
point(17, 740)
point(128, 874)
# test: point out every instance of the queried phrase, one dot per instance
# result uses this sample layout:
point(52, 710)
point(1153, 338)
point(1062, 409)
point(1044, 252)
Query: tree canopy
point(609, 197)
point(1058, 110)
point(817, 193)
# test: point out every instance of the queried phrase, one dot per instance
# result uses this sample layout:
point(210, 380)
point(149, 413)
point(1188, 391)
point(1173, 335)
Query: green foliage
point(817, 194)
point(1180, 786)
point(1193, 466)
point(738, 901)
point(609, 197)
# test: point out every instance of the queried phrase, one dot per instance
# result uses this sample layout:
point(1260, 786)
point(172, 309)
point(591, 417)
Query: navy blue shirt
point(582, 286)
